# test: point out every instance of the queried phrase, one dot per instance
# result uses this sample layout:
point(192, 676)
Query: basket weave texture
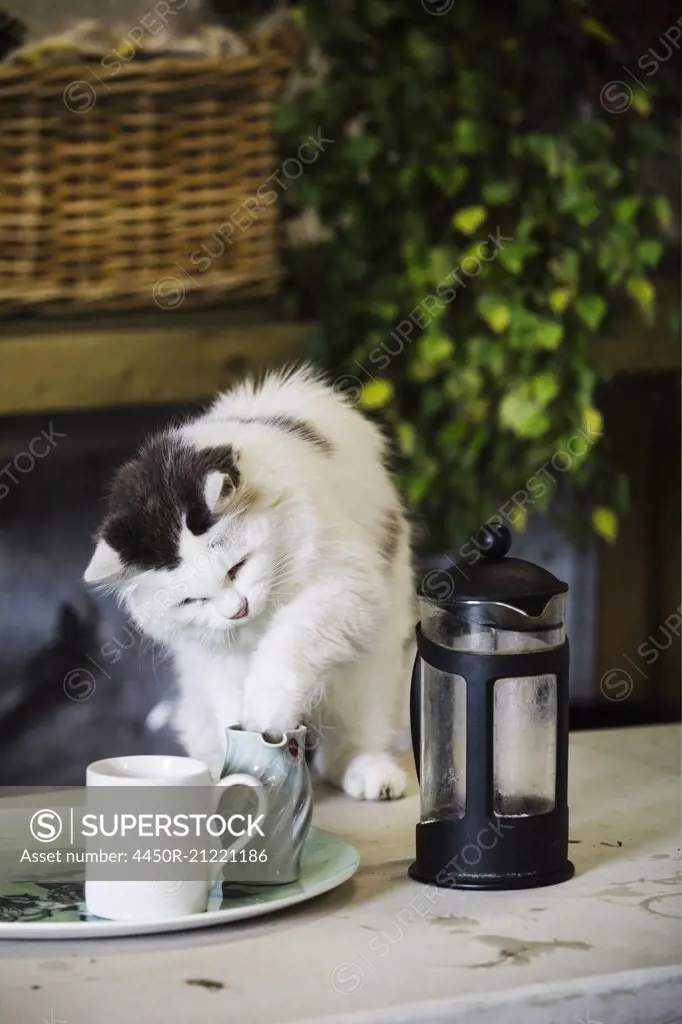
point(111, 183)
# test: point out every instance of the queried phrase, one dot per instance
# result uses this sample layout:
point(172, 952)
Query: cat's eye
point(191, 600)
point(232, 573)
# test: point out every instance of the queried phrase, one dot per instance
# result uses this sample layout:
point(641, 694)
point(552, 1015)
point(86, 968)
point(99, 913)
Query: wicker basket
point(111, 184)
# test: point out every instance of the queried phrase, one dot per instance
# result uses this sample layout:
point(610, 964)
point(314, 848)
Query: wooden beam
point(100, 365)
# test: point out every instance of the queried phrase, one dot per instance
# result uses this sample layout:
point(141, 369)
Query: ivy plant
point(491, 201)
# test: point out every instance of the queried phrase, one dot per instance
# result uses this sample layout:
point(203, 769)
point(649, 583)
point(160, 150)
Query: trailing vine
point(493, 199)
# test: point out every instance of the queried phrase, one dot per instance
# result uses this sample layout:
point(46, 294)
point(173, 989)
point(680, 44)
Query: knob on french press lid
point(484, 571)
point(493, 544)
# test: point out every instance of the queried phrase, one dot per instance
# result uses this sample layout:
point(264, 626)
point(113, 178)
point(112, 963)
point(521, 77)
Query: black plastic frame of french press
point(520, 852)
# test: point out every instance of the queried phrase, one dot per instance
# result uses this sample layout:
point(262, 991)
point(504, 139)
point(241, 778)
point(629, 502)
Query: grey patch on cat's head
point(391, 530)
point(154, 494)
point(294, 427)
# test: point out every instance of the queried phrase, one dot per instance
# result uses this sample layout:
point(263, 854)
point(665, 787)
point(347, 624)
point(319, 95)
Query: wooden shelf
point(89, 363)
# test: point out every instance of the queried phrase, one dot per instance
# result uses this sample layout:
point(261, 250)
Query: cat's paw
point(271, 707)
point(268, 717)
point(374, 777)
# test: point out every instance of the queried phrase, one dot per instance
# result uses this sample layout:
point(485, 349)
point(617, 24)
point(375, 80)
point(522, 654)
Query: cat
point(265, 544)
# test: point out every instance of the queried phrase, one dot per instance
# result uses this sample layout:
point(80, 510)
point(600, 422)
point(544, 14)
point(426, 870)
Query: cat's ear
point(218, 487)
point(105, 565)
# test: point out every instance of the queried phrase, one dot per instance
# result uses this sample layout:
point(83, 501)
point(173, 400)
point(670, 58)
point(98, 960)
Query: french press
point(489, 715)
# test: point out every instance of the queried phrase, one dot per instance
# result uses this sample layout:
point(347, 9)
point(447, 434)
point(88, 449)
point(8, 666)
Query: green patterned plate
point(55, 910)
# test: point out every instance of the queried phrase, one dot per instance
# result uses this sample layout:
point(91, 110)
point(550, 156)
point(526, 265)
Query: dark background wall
point(74, 685)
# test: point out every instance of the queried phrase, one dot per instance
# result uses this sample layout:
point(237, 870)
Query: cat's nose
point(243, 610)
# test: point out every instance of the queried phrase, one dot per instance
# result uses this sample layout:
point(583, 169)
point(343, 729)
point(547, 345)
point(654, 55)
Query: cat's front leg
point(209, 701)
point(281, 685)
point(325, 626)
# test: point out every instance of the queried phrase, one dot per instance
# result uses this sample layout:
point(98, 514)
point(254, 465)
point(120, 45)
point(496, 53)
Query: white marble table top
point(603, 947)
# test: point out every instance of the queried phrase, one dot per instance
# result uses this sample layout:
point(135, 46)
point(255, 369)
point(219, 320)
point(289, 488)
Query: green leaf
point(420, 46)
point(420, 484)
point(605, 523)
point(523, 409)
point(469, 218)
point(469, 86)
point(472, 252)
point(421, 371)
point(559, 299)
point(649, 251)
point(595, 28)
point(565, 267)
point(613, 257)
point(435, 348)
point(625, 209)
point(545, 387)
point(520, 413)
point(641, 101)
point(376, 394)
point(362, 149)
point(385, 310)
point(466, 136)
point(550, 150)
point(663, 211)
point(432, 401)
point(514, 255)
point(452, 433)
point(483, 351)
point(593, 421)
point(407, 176)
point(379, 11)
point(644, 294)
point(496, 193)
point(463, 382)
point(525, 226)
point(476, 409)
point(285, 117)
point(586, 212)
point(591, 310)
point(495, 311)
point(418, 489)
point(441, 262)
point(407, 438)
point(458, 178)
point(450, 179)
point(548, 334)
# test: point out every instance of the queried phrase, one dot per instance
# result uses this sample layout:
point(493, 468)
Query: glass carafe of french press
point(489, 716)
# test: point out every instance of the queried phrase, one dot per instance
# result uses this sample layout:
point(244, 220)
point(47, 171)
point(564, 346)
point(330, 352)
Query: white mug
point(145, 900)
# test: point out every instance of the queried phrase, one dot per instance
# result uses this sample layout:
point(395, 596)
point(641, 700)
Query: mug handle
point(240, 780)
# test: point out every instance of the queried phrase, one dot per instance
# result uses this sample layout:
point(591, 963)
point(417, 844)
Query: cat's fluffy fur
point(290, 480)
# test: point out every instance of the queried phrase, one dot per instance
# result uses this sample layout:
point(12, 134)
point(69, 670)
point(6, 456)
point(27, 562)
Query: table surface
point(603, 947)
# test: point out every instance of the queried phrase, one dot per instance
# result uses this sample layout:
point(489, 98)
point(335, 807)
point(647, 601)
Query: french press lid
point(492, 577)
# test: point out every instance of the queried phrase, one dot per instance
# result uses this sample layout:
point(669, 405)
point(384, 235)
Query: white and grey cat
point(264, 544)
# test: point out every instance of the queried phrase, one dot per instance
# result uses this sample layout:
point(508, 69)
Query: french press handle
point(416, 710)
